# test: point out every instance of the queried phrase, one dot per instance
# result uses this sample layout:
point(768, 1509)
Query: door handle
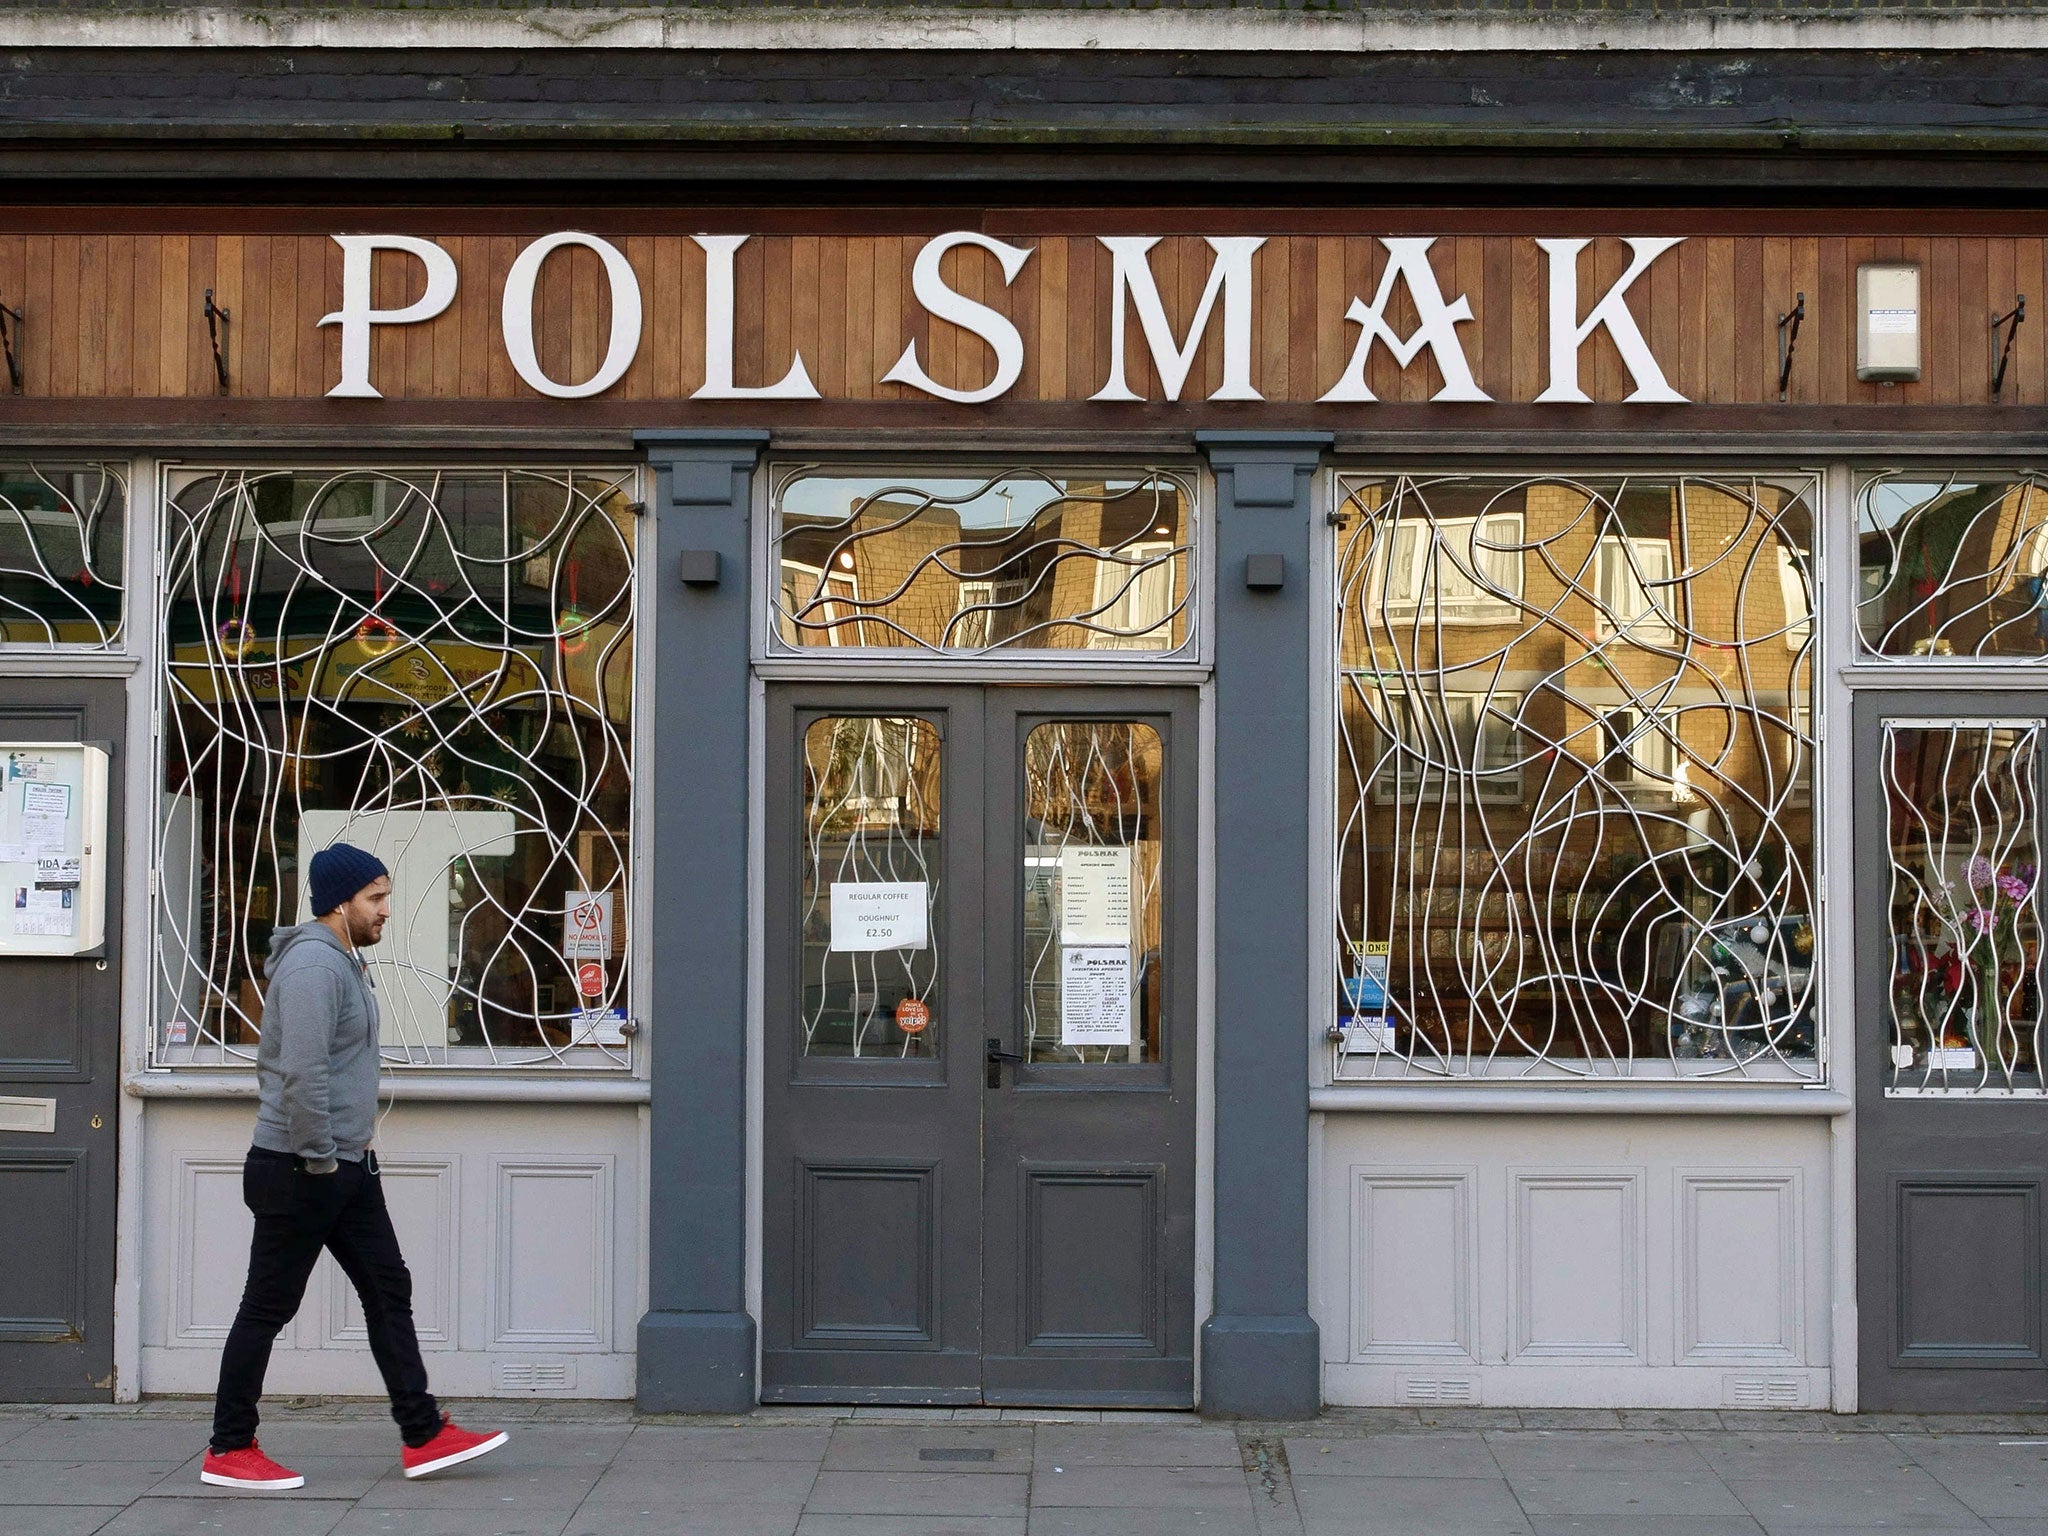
point(996, 1057)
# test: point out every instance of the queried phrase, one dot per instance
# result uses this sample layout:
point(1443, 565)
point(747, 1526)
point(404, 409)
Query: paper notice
point(46, 800)
point(1952, 1058)
point(1095, 895)
point(43, 914)
point(1894, 322)
point(600, 1026)
point(14, 853)
point(59, 870)
point(1095, 994)
point(43, 833)
point(1369, 1036)
point(30, 765)
point(587, 926)
point(879, 914)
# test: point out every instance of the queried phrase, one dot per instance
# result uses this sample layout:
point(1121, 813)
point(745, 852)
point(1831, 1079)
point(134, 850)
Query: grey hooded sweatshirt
point(316, 1064)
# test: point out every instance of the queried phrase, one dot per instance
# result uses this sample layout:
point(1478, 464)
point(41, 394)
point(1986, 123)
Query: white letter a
point(1436, 328)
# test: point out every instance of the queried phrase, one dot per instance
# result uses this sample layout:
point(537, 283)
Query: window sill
point(1615, 1098)
point(511, 1085)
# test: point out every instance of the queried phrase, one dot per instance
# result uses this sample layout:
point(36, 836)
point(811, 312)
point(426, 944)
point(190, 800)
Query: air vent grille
point(1766, 1392)
point(535, 1375)
point(1440, 1389)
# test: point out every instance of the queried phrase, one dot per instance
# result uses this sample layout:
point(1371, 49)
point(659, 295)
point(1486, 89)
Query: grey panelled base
point(696, 1362)
point(1262, 1367)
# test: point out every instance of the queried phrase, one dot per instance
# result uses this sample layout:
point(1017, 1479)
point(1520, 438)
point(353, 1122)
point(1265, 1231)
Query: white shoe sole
point(459, 1457)
point(272, 1485)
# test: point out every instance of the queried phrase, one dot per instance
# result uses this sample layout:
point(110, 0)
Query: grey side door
point(1952, 1127)
point(1089, 1165)
point(60, 1051)
point(871, 1185)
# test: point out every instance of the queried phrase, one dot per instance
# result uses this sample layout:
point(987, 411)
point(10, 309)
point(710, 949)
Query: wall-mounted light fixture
point(1888, 322)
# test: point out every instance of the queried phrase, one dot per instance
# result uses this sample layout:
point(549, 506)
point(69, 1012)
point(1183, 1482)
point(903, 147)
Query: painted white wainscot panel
point(1538, 1261)
point(519, 1223)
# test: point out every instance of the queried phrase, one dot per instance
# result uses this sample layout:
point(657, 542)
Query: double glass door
point(1952, 1121)
point(980, 1074)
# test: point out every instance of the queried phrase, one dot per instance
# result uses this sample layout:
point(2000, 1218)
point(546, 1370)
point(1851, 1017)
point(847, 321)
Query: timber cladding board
point(116, 314)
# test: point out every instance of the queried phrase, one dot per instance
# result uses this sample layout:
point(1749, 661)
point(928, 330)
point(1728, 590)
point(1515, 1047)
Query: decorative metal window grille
point(63, 530)
point(1963, 812)
point(871, 818)
point(1574, 827)
point(436, 665)
point(1953, 565)
point(1021, 560)
point(1092, 794)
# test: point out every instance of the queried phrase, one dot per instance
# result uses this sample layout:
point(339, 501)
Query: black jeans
point(297, 1214)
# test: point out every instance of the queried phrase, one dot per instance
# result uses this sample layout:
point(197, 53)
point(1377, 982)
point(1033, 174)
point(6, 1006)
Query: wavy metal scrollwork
point(435, 664)
point(1953, 565)
point(63, 531)
point(1019, 560)
point(1575, 778)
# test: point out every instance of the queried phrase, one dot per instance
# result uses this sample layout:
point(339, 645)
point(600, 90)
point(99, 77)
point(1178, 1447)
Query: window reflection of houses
point(1954, 566)
point(1576, 739)
point(1025, 561)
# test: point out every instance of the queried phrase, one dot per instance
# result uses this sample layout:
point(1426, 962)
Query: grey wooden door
point(1952, 1127)
point(60, 1046)
point(979, 1170)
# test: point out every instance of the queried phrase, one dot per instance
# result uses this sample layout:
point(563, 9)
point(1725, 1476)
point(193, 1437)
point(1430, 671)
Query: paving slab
point(1632, 1494)
point(79, 1482)
point(773, 1519)
point(56, 1520)
point(448, 1522)
point(1408, 1506)
point(1623, 1452)
point(1994, 1479)
point(103, 1440)
point(954, 1447)
point(479, 1485)
point(919, 1493)
point(911, 1525)
point(1140, 1522)
point(1910, 1500)
point(683, 1482)
point(1825, 1458)
point(1645, 1525)
point(227, 1517)
point(1447, 1453)
point(777, 1442)
point(327, 1477)
point(1126, 1487)
point(1119, 1445)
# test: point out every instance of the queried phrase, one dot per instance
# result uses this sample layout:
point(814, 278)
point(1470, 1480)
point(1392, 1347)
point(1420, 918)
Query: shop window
point(1574, 824)
point(63, 532)
point(1025, 560)
point(1953, 565)
point(436, 665)
point(1964, 817)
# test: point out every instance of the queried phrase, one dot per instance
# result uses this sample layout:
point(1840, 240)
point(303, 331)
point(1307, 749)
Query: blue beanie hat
point(338, 872)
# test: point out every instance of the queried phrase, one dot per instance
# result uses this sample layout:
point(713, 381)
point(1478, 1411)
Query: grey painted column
point(697, 1339)
point(1260, 1351)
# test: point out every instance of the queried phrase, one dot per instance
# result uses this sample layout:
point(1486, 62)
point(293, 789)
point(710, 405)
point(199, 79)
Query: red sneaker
point(247, 1468)
point(450, 1448)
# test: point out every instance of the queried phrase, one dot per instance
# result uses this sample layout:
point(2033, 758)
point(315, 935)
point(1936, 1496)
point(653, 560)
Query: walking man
point(311, 1180)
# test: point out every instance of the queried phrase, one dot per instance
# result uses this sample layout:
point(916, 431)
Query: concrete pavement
point(590, 1469)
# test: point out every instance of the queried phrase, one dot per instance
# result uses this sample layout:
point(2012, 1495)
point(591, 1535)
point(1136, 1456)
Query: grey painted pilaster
point(1260, 1352)
point(697, 1340)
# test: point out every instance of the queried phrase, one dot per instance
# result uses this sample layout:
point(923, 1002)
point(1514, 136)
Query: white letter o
point(518, 315)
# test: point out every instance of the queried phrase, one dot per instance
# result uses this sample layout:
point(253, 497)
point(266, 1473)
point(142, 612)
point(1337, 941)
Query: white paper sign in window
point(1095, 994)
point(879, 914)
point(1095, 895)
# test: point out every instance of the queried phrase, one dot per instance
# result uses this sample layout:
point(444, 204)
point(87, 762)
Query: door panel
point(1088, 1278)
point(871, 1190)
point(980, 1150)
point(60, 1060)
point(1952, 1122)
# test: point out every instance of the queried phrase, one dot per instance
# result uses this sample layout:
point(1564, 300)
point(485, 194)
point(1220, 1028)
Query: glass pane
point(872, 862)
point(1093, 931)
point(1575, 778)
point(1963, 817)
point(1023, 560)
point(62, 532)
point(1953, 565)
point(435, 666)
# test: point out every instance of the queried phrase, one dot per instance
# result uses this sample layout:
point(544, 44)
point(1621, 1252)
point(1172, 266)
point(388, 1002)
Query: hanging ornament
point(376, 634)
point(236, 633)
point(573, 627)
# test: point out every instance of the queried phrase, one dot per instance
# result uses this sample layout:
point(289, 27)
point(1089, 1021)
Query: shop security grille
point(1575, 779)
point(63, 530)
point(436, 665)
point(1023, 560)
point(1953, 565)
point(1963, 819)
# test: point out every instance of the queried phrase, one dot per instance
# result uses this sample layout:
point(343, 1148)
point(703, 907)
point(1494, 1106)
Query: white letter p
point(355, 317)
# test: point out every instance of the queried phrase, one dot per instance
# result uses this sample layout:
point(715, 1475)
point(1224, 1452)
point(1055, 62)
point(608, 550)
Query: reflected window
point(436, 666)
point(871, 899)
point(1964, 818)
point(1019, 561)
point(1953, 565)
point(1093, 902)
point(63, 533)
point(1575, 755)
